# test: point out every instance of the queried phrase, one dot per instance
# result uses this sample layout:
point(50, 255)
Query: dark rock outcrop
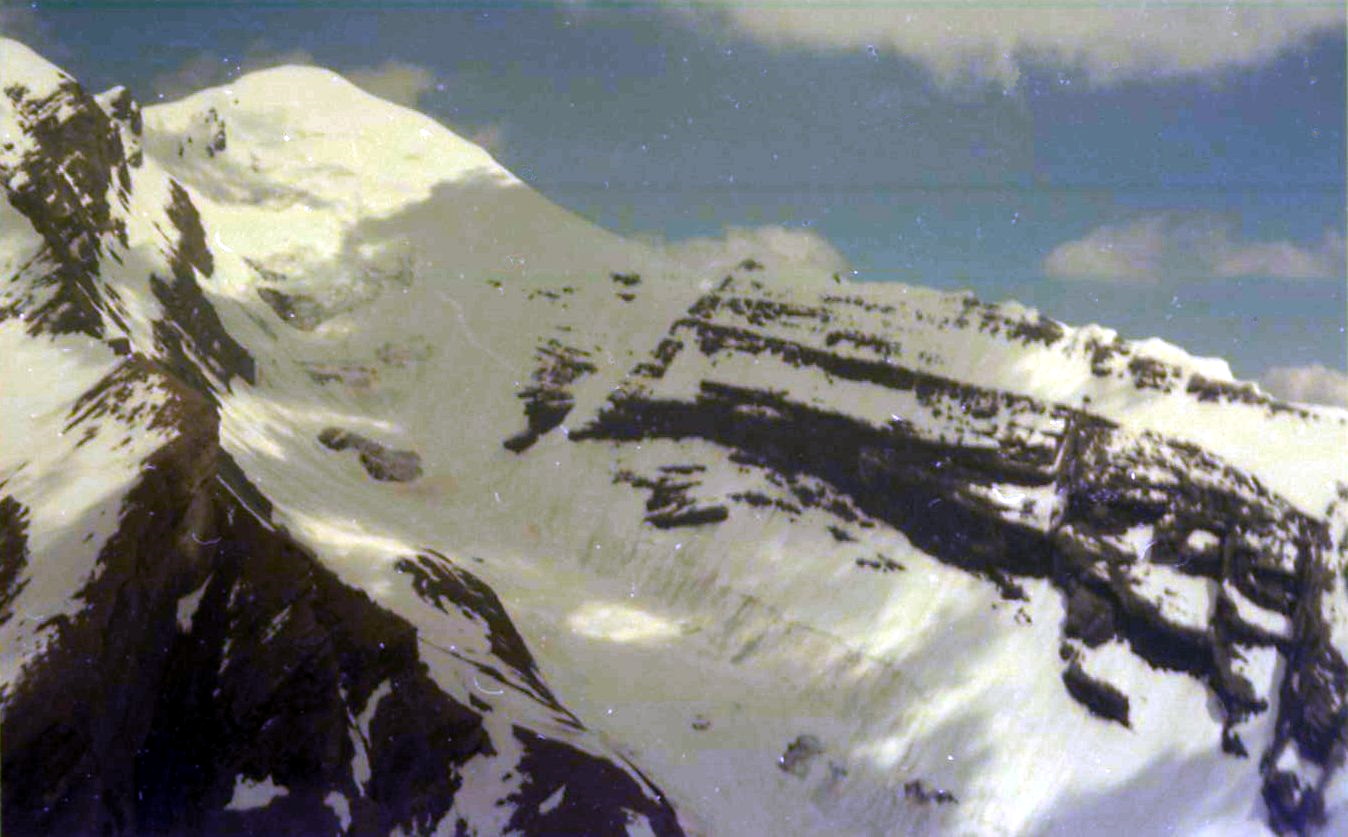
point(198, 347)
point(548, 401)
point(1102, 699)
point(380, 462)
point(61, 186)
point(799, 754)
point(917, 791)
point(297, 310)
point(14, 555)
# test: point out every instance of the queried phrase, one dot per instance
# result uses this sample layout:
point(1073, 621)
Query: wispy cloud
point(1178, 245)
point(773, 246)
point(978, 39)
point(1285, 260)
point(396, 81)
point(491, 138)
point(208, 69)
point(1313, 384)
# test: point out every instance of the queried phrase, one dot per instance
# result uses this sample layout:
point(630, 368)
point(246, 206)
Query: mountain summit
point(347, 485)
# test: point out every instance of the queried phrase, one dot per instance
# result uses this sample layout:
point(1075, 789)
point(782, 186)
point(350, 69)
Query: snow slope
point(805, 555)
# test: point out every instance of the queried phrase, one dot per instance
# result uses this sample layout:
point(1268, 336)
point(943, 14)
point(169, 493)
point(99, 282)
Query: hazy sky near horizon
point(1176, 171)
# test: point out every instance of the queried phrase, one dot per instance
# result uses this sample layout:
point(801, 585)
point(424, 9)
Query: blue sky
point(1175, 172)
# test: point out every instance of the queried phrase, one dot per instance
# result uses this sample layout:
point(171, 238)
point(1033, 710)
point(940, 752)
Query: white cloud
point(396, 81)
point(1114, 251)
point(1313, 384)
point(1285, 260)
point(202, 70)
point(1179, 245)
point(979, 39)
point(207, 69)
point(773, 246)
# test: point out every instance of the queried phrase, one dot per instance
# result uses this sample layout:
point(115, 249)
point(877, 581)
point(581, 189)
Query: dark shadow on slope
point(482, 226)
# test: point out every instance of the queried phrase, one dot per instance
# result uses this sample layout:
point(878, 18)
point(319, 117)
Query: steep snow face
point(162, 631)
point(819, 557)
point(288, 144)
point(307, 173)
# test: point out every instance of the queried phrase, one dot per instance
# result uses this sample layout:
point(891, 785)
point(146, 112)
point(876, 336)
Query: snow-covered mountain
point(348, 485)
